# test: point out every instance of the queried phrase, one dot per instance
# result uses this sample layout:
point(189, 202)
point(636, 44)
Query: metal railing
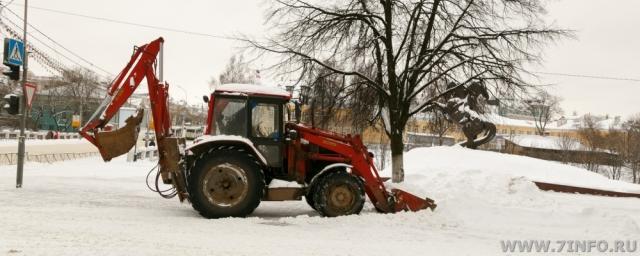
point(31, 135)
point(149, 153)
point(12, 158)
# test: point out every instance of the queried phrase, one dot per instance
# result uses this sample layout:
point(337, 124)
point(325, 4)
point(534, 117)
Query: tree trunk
point(397, 164)
point(81, 110)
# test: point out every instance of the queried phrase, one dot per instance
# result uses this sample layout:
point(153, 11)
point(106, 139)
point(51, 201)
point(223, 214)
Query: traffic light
point(12, 104)
point(14, 72)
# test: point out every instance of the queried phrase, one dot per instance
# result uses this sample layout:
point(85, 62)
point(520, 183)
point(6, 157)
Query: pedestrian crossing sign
point(13, 52)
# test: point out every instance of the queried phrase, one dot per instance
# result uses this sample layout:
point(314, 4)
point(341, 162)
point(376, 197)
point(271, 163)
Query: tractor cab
point(254, 112)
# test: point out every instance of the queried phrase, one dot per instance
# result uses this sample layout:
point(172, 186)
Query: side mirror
point(205, 98)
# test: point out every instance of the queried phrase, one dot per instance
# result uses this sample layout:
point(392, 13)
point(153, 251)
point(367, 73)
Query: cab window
point(263, 120)
point(229, 117)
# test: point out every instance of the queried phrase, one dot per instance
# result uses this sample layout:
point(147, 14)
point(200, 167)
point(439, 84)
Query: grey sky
point(607, 44)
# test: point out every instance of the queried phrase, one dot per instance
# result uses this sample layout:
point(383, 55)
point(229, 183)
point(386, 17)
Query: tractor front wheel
point(339, 193)
point(226, 183)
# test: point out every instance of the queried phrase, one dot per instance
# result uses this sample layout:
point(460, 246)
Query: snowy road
point(87, 207)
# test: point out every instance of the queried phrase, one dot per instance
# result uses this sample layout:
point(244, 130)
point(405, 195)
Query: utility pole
point(23, 104)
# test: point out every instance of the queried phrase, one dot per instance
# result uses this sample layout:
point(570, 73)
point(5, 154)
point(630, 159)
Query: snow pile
point(546, 142)
point(445, 172)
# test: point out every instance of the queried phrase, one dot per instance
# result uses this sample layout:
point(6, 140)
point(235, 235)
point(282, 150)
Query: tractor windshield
point(229, 117)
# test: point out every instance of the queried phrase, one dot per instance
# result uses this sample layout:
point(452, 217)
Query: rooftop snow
point(570, 123)
point(546, 142)
point(253, 89)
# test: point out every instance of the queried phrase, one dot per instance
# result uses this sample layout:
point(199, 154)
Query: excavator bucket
point(120, 141)
point(405, 201)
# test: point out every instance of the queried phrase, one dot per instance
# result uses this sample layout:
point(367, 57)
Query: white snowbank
point(88, 207)
point(434, 169)
point(547, 142)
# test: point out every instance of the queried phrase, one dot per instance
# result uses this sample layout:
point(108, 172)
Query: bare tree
point(359, 103)
point(340, 100)
point(631, 146)
point(409, 47)
point(614, 142)
point(80, 85)
point(566, 144)
point(236, 71)
point(439, 125)
point(328, 97)
point(592, 138)
point(543, 107)
point(213, 83)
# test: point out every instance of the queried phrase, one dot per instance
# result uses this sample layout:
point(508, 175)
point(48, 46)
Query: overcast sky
point(606, 45)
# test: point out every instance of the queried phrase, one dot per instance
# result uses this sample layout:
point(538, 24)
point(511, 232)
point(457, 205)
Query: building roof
point(547, 142)
point(564, 123)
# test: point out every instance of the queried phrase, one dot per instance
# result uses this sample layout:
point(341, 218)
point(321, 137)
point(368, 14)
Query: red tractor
point(248, 142)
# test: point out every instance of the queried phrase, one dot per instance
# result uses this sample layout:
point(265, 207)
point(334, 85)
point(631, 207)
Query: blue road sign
point(13, 52)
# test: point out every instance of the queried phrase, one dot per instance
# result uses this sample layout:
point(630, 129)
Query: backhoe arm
point(115, 143)
point(139, 67)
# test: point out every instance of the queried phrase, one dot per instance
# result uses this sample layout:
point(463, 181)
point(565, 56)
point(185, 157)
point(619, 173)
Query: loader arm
point(114, 143)
point(350, 149)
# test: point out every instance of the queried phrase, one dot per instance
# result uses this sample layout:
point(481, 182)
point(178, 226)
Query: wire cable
point(240, 39)
point(59, 44)
point(590, 76)
point(135, 24)
point(43, 43)
point(36, 53)
point(39, 56)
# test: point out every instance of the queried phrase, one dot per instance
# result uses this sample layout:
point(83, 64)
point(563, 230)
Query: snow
point(253, 89)
point(567, 123)
point(434, 162)
point(386, 119)
point(546, 142)
point(502, 120)
point(87, 207)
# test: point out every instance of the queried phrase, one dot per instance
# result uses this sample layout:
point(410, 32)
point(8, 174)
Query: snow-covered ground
point(87, 207)
point(436, 163)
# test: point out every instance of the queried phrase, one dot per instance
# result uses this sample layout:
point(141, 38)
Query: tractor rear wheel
point(226, 183)
point(339, 193)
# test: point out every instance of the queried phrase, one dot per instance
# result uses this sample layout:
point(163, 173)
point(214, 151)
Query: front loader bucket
point(120, 141)
point(405, 201)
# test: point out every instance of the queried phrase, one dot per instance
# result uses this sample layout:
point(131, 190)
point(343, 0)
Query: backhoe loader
point(248, 142)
